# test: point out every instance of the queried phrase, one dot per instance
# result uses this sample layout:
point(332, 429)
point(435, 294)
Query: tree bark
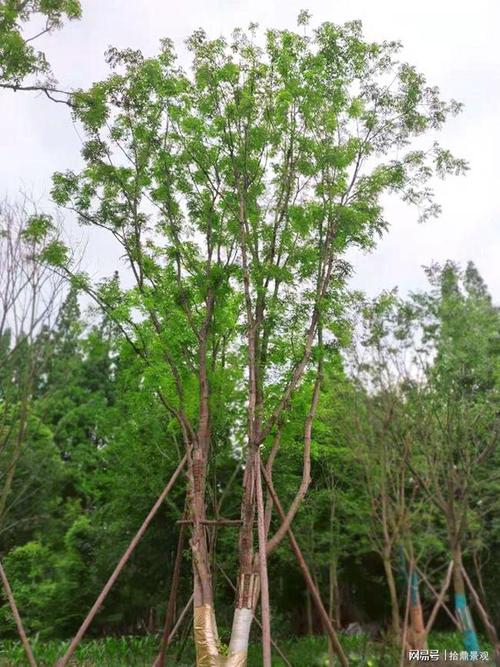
point(417, 614)
point(335, 613)
point(391, 583)
point(469, 636)
point(309, 613)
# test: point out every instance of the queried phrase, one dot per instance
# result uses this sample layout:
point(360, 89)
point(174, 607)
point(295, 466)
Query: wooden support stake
point(180, 619)
point(307, 575)
point(404, 642)
point(212, 522)
point(439, 600)
point(123, 560)
point(488, 625)
point(169, 615)
point(17, 618)
point(178, 623)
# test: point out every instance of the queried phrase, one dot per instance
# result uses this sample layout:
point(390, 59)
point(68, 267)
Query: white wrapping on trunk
point(240, 633)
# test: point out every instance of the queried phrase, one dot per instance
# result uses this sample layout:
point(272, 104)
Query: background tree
point(456, 421)
point(29, 297)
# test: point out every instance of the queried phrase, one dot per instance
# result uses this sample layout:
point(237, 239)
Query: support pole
point(169, 615)
point(410, 574)
point(439, 601)
point(264, 582)
point(17, 617)
point(178, 623)
point(123, 560)
point(438, 595)
point(488, 625)
point(182, 616)
point(404, 640)
point(307, 575)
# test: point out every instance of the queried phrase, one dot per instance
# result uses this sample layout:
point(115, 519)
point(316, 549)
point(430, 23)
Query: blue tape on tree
point(469, 635)
point(414, 589)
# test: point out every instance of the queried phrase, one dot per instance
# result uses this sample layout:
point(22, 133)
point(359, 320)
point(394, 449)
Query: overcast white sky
point(455, 43)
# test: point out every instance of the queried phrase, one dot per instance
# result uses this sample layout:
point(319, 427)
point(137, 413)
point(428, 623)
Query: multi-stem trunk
point(247, 592)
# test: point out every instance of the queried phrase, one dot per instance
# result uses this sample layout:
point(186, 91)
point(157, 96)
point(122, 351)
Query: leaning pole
point(116, 572)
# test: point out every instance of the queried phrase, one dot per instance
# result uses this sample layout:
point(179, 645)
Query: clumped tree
point(456, 420)
point(234, 190)
point(428, 428)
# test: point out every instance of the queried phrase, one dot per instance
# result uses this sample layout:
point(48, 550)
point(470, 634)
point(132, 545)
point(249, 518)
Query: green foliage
point(100, 447)
point(31, 569)
point(245, 179)
point(38, 228)
point(19, 59)
point(283, 133)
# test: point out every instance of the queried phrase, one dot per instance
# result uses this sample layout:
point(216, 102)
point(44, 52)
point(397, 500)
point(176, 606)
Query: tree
point(456, 424)
point(382, 364)
point(29, 297)
point(234, 191)
point(431, 385)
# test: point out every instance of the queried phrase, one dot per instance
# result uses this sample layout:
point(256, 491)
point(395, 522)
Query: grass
point(140, 652)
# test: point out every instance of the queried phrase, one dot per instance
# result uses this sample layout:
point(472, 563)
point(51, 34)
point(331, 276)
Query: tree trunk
point(247, 590)
point(205, 626)
point(16, 454)
point(391, 583)
point(309, 614)
point(334, 600)
point(416, 612)
point(462, 611)
point(490, 629)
